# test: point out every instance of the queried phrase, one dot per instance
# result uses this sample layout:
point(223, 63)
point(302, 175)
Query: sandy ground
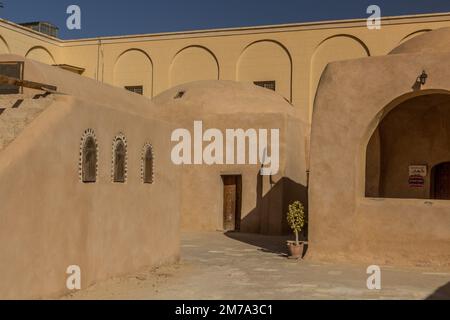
point(242, 266)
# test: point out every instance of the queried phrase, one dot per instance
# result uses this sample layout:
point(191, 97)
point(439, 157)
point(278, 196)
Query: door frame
point(238, 210)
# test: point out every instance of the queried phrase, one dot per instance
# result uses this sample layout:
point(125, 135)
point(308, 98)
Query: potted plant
point(297, 219)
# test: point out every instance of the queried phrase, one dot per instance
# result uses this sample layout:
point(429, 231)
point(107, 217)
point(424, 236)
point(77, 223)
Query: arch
point(413, 130)
point(334, 48)
point(40, 54)
point(193, 63)
point(267, 60)
point(119, 159)
point(133, 68)
point(391, 105)
point(413, 35)
point(148, 164)
point(4, 47)
point(88, 162)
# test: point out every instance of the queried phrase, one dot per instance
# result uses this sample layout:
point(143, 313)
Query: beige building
point(290, 58)
point(387, 141)
point(370, 159)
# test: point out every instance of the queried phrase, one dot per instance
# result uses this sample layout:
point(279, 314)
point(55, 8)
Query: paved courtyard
point(242, 266)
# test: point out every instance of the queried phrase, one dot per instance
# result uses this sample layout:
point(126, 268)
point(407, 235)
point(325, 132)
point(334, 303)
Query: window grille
point(271, 85)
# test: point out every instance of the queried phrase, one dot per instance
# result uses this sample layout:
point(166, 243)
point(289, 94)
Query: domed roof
point(429, 42)
point(220, 97)
point(81, 87)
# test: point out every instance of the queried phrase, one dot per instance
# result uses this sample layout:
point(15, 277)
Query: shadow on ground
point(443, 293)
point(271, 244)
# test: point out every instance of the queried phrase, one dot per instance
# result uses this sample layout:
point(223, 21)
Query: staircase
point(16, 112)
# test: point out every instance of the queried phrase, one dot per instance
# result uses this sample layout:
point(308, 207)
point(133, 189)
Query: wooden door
point(232, 202)
point(442, 181)
point(229, 202)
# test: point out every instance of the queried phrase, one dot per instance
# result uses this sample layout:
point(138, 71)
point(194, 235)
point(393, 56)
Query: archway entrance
point(404, 152)
point(441, 181)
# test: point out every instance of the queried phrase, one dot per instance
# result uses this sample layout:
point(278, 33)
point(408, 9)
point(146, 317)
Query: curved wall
point(336, 48)
point(344, 224)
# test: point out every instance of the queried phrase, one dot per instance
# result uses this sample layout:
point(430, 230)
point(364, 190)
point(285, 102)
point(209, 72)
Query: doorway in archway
point(440, 186)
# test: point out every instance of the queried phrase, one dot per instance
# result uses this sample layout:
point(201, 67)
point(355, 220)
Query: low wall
point(404, 230)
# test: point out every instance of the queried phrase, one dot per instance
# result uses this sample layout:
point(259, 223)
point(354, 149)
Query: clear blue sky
point(119, 17)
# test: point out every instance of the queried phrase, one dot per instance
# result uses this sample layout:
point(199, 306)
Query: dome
point(429, 42)
point(220, 97)
point(69, 83)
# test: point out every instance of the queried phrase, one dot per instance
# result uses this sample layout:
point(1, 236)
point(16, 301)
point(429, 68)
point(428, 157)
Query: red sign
point(416, 181)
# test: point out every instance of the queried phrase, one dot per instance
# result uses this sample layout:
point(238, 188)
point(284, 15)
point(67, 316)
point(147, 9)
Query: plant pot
point(295, 251)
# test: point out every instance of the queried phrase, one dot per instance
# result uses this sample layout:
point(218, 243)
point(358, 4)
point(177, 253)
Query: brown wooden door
point(231, 202)
point(442, 181)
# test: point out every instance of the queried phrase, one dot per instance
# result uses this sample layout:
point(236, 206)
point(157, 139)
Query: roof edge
point(307, 25)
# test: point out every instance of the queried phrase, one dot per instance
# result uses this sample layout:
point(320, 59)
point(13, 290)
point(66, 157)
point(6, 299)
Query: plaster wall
point(226, 105)
point(50, 220)
point(267, 60)
point(192, 64)
point(344, 224)
point(132, 68)
point(262, 197)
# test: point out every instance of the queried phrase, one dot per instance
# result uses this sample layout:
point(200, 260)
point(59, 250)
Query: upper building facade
point(287, 58)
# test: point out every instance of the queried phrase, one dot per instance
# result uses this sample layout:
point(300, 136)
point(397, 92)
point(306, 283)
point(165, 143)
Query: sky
point(122, 17)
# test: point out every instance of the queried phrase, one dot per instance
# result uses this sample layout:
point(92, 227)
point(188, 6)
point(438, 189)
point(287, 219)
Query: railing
point(27, 84)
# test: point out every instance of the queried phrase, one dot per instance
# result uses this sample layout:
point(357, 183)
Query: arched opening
point(119, 162)
point(406, 148)
point(440, 181)
point(148, 165)
point(89, 165)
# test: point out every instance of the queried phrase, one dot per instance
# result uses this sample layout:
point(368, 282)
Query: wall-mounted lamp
point(422, 79)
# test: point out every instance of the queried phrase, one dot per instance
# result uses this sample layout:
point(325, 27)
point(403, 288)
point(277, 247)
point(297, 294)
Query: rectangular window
point(266, 84)
point(136, 89)
point(12, 70)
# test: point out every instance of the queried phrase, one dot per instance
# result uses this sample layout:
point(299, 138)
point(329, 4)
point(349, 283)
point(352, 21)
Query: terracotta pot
point(295, 251)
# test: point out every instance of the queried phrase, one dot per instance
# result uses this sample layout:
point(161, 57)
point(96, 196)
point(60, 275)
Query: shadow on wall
point(442, 293)
point(269, 215)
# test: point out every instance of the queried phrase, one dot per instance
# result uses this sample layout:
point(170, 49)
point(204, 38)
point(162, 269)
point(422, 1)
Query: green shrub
point(296, 218)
